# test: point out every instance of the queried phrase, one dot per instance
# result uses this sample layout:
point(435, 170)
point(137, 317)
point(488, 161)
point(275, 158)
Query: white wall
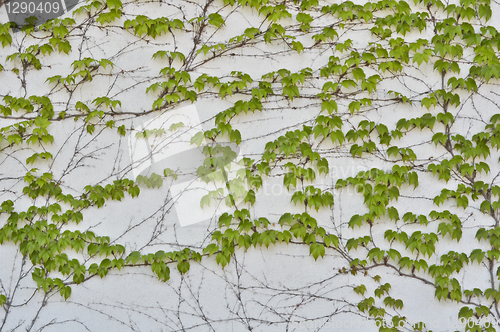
point(280, 288)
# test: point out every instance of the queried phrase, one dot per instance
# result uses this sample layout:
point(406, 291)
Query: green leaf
point(331, 240)
point(317, 250)
point(205, 200)
point(183, 266)
point(211, 249)
point(198, 138)
point(133, 257)
point(65, 292)
point(393, 213)
point(222, 259)
point(216, 20)
point(413, 179)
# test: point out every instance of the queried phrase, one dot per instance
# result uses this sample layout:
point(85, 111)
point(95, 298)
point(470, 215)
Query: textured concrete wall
point(280, 288)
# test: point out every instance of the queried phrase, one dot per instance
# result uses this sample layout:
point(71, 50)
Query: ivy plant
point(351, 147)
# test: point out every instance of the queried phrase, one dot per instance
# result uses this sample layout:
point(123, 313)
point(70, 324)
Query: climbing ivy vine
point(379, 123)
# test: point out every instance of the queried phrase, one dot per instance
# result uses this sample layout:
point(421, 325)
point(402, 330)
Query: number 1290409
point(33, 7)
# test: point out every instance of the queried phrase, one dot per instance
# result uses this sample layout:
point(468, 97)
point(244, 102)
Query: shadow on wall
point(36, 12)
point(162, 147)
